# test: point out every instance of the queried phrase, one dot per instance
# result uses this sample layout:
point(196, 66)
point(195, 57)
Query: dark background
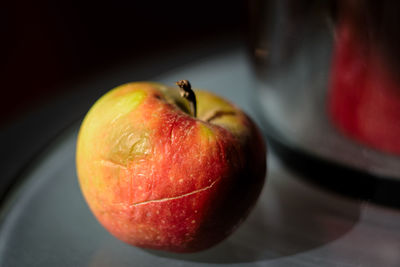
point(47, 44)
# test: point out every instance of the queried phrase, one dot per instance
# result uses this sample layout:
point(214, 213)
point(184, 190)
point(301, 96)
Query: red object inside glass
point(364, 100)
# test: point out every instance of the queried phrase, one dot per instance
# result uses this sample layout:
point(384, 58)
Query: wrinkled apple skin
point(155, 177)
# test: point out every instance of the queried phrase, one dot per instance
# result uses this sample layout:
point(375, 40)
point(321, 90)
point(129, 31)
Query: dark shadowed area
point(47, 45)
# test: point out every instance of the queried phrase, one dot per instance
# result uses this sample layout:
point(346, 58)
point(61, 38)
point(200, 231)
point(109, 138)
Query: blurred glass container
point(328, 74)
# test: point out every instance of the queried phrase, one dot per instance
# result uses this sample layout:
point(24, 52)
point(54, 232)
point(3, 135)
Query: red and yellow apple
point(155, 176)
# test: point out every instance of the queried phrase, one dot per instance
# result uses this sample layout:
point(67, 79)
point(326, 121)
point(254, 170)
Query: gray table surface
point(46, 222)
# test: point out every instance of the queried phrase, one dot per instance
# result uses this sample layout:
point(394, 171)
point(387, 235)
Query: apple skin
point(156, 177)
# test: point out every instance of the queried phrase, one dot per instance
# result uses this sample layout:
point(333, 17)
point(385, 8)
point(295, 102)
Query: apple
point(169, 168)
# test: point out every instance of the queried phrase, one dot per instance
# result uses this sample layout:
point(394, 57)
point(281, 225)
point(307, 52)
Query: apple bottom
point(188, 223)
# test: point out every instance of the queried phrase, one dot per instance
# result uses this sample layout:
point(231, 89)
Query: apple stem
point(188, 94)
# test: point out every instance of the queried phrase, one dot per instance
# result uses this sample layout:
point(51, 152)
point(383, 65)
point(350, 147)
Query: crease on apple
point(174, 198)
point(171, 131)
point(108, 162)
point(216, 114)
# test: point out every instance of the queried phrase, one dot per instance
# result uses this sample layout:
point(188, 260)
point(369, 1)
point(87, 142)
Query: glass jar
point(328, 77)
